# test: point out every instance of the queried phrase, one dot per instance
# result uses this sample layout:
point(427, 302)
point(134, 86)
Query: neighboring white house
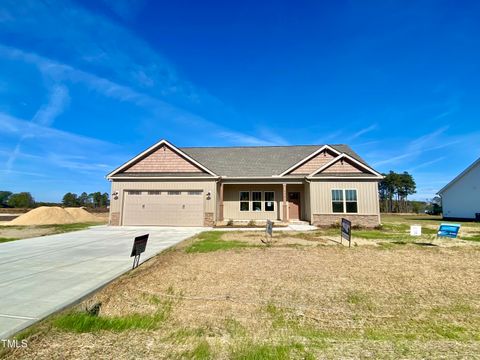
point(461, 196)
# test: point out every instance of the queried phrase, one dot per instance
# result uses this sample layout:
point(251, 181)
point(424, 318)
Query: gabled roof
point(312, 155)
point(256, 161)
point(152, 149)
point(244, 162)
point(350, 158)
point(462, 174)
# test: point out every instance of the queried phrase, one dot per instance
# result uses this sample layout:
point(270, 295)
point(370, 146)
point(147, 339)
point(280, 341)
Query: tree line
point(394, 190)
point(26, 200)
point(18, 200)
point(96, 199)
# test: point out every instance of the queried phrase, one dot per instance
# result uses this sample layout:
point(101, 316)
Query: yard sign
point(139, 245)
point(346, 231)
point(269, 228)
point(448, 230)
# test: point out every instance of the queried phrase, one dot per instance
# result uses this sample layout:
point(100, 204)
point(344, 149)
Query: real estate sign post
point(346, 231)
point(139, 246)
point(448, 230)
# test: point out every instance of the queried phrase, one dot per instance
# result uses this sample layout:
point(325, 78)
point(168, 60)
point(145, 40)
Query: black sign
point(346, 229)
point(139, 245)
point(269, 228)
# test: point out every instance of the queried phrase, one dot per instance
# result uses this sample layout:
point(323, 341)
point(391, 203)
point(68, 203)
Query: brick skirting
point(369, 221)
point(115, 219)
point(208, 219)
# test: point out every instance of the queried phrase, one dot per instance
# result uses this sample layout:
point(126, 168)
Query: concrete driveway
point(41, 275)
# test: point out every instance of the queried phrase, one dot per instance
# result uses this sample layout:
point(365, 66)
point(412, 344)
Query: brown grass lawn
point(226, 295)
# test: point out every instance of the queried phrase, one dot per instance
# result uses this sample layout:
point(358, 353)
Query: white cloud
point(58, 101)
point(363, 131)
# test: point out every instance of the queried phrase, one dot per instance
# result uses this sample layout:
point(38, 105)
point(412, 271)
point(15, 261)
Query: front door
point(294, 205)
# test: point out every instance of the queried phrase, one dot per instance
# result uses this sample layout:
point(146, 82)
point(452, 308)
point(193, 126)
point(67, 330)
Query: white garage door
point(168, 208)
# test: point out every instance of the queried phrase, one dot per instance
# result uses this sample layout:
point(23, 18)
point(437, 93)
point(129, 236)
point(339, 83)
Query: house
point(461, 196)
point(204, 186)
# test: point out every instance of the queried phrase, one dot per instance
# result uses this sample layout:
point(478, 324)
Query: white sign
point(415, 230)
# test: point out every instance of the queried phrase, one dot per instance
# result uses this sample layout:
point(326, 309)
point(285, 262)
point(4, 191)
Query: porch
point(279, 202)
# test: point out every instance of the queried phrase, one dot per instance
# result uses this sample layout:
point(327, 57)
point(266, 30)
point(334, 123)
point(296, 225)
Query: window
point(131, 192)
point(154, 193)
point(344, 201)
point(337, 201)
point(351, 201)
point(256, 200)
point(269, 201)
point(194, 193)
point(174, 193)
point(244, 201)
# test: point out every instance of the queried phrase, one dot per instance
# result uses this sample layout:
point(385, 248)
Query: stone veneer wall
point(369, 221)
point(115, 219)
point(208, 219)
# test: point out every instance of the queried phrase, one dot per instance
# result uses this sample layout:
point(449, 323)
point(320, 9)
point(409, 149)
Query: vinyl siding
point(231, 200)
point(231, 196)
point(462, 198)
point(367, 196)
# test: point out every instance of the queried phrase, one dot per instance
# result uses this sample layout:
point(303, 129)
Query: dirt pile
point(46, 215)
point(81, 215)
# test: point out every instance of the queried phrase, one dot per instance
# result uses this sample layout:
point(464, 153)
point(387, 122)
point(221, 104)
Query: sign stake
point(139, 245)
point(346, 231)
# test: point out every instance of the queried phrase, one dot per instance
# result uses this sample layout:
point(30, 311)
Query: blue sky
point(86, 85)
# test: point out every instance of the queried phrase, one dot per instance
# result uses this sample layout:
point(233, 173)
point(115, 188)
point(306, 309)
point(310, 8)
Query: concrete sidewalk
point(42, 275)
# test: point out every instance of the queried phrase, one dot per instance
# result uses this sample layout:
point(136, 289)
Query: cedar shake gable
point(163, 160)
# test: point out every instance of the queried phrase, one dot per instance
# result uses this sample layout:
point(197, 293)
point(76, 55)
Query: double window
point(344, 201)
point(252, 201)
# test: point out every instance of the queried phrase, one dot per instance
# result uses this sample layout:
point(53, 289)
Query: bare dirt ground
point(303, 297)
point(25, 232)
point(8, 231)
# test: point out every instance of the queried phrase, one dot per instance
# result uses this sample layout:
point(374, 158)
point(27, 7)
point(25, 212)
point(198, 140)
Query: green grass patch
point(234, 328)
point(282, 351)
point(3, 240)
point(200, 352)
point(474, 237)
point(211, 241)
point(82, 322)
point(63, 228)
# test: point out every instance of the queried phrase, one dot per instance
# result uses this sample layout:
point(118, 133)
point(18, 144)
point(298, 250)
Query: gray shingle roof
point(254, 161)
point(161, 174)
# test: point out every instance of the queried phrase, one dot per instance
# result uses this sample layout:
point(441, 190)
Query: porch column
point(285, 215)
point(220, 210)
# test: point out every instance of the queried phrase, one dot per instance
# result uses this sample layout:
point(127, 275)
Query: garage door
point(168, 208)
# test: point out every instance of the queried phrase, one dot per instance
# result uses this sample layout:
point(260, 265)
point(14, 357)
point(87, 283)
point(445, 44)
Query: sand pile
point(81, 215)
point(46, 215)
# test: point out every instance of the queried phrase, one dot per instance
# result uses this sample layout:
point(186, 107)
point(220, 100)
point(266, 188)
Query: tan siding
point(321, 196)
point(231, 202)
point(314, 163)
point(163, 160)
point(342, 166)
point(116, 206)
